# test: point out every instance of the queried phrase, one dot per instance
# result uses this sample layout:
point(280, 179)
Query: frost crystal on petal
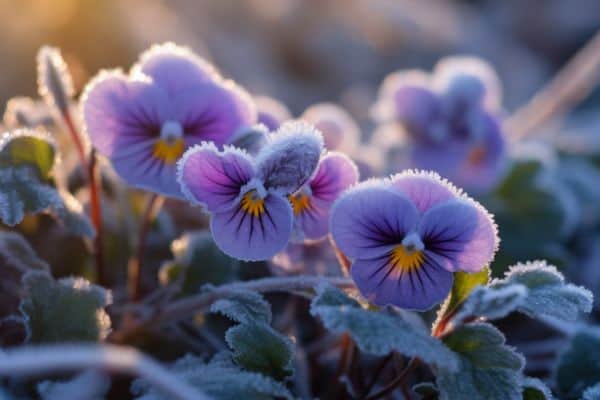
point(290, 157)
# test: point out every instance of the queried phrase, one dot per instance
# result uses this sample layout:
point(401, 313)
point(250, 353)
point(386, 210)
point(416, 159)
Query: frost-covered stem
point(397, 381)
point(96, 215)
point(91, 168)
point(52, 359)
point(183, 308)
point(341, 257)
point(570, 85)
point(135, 264)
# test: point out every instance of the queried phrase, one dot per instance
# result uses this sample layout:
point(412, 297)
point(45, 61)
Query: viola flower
point(271, 113)
point(407, 235)
point(171, 100)
point(451, 119)
point(251, 216)
point(339, 129)
point(311, 204)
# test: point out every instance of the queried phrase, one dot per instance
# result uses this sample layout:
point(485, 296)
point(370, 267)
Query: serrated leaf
point(534, 389)
point(219, 380)
point(28, 148)
point(89, 385)
point(491, 303)
point(426, 391)
point(258, 347)
point(592, 393)
point(69, 309)
point(198, 262)
point(489, 370)
point(378, 333)
point(464, 283)
point(579, 365)
point(243, 306)
point(16, 259)
point(547, 292)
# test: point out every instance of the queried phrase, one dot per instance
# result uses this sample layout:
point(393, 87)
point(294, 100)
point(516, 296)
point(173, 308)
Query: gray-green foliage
point(579, 365)
point(256, 346)
point(535, 289)
point(220, 379)
point(68, 309)
point(592, 393)
point(197, 262)
point(379, 333)
point(26, 161)
point(489, 370)
point(534, 389)
point(88, 385)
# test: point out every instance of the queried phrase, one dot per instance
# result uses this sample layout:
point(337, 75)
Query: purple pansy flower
point(172, 99)
point(408, 234)
point(271, 113)
point(452, 119)
point(339, 129)
point(312, 202)
point(251, 216)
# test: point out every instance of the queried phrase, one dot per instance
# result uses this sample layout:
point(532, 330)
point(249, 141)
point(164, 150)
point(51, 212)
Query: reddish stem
point(90, 166)
point(135, 264)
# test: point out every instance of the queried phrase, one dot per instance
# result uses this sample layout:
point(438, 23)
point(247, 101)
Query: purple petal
point(212, 111)
point(247, 237)
point(212, 178)
point(461, 233)
point(369, 220)
point(340, 131)
point(335, 173)
point(290, 156)
point(417, 108)
point(271, 112)
point(119, 113)
point(382, 284)
point(174, 68)
point(424, 189)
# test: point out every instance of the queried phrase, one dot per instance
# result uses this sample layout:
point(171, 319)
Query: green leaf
point(89, 385)
point(464, 284)
point(579, 365)
point(534, 389)
point(70, 309)
point(198, 262)
point(16, 259)
point(243, 306)
point(378, 333)
point(491, 303)
point(547, 292)
point(592, 393)
point(259, 348)
point(26, 147)
point(220, 380)
point(488, 370)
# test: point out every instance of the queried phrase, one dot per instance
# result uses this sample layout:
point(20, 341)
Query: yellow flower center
point(253, 204)
point(168, 151)
point(300, 202)
point(406, 260)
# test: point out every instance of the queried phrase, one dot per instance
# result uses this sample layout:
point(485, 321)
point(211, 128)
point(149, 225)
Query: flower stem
point(135, 264)
point(346, 356)
point(396, 382)
point(94, 181)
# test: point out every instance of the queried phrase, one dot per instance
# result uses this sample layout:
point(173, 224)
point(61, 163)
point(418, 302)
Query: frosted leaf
point(492, 304)
point(489, 370)
point(534, 389)
point(259, 348)
point(89, 385)
point(243, 306)
point(578, 366)
point(592, 393)
point(378, 333)
point(54, 81)
point(219, 380)
point(68, 309)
